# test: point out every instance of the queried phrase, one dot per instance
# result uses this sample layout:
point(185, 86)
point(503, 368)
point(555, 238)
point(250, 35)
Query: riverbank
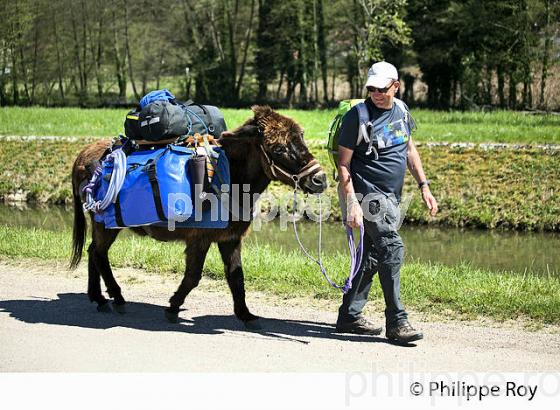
point(458, 292)
point(512, 187)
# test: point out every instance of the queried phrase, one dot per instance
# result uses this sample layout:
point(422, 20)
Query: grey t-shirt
point(390, 136)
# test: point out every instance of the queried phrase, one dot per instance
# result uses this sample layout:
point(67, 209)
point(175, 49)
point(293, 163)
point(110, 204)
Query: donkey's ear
point(261, 111)
point(242, 133)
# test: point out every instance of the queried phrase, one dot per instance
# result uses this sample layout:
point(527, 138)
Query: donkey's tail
point(79, 230)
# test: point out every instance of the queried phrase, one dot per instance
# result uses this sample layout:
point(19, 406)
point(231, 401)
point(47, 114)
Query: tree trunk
point(231, 22)
point(322, 48)
point(158, 74)
point(315, 91)
point(526, 67)
point(3, 96)
point(279, 88)
point(528, 91)
point(198, 69)
point(23, 70)
point(59, 63)
point(85, 21)
point(127, 51)
point(120, 70)
point(245, 51)
point(333, 86)
point(409, 89)
point(488, 88)
point(501, 85)
point(546, 55)
point(265, 57)
point(14, 75)
point(77, 57)
point(98, 54)
point(302, 73)
point(35, 60)
point(512, 104)
point(455, 91)
point(17, 48)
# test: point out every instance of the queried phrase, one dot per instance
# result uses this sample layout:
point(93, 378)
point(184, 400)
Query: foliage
point(475, 53)
point(471, 54)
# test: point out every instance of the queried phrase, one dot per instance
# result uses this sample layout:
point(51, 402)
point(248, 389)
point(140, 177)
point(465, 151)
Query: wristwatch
point(421, 184)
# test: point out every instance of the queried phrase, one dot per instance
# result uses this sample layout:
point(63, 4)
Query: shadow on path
point(73, 309)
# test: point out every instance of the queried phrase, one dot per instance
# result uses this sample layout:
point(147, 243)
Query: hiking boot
point(403, 333)
point(362, 326)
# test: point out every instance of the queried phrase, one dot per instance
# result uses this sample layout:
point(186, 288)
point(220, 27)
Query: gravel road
point(48, 324)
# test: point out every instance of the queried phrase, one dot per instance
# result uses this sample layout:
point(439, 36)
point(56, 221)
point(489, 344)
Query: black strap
point(118, 212)
point(152, 176)
point(207, 116)
point(191, 102)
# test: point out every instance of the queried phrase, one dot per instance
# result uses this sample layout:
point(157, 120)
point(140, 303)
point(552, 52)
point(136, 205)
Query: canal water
point(499, 251)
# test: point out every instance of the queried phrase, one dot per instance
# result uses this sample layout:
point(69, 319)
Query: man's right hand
point(355, 215)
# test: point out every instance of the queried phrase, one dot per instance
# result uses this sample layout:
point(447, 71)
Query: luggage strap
point(152, 176)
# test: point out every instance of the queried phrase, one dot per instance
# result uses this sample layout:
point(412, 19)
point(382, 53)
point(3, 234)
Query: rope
point(356, 252)
point(118, 157)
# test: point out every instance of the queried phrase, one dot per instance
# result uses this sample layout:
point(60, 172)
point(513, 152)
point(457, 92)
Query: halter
point(355, 251)
point(307, 169)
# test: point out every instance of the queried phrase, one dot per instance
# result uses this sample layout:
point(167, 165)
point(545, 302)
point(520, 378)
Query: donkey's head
point(282, 150)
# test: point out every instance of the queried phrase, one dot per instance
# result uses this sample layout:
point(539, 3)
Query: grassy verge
point(508, 188)
point(456, 292)
point(498, 126)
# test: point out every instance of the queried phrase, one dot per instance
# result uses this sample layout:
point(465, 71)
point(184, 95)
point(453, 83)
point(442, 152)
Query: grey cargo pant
point(383, 253)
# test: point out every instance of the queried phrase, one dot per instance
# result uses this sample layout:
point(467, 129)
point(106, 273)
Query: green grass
point(453, 292)
point(498, 126)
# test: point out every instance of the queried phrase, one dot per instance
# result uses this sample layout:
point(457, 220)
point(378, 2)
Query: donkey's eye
point(279, 149)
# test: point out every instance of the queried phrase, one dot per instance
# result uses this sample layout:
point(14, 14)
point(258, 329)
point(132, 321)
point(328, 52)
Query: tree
point(471, 53)
point(435, 35)
point(265, 50)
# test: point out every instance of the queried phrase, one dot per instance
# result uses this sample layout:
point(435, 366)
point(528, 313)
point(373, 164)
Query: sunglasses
point(380, 90)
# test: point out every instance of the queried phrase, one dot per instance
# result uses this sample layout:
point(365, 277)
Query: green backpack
point(363, 135)
point(334, 129)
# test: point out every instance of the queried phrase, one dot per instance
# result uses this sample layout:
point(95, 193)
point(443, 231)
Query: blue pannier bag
point(217, 216)
point(157, 188)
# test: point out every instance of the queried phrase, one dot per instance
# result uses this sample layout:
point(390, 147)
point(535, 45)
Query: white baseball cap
point(381, 74)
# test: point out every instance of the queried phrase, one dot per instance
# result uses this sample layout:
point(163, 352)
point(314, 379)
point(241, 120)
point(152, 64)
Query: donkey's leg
point(103, 239)
point(195, 256)
point(94, 283)
point(231, 256)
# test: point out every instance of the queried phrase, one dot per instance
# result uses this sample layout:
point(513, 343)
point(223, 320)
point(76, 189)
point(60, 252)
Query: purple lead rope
point(356, 252)
point(355, 256)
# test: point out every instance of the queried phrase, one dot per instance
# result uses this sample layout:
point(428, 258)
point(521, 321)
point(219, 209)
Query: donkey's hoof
point(119, 308)
point(104, 308)
point(172, 317)
point(254, 324)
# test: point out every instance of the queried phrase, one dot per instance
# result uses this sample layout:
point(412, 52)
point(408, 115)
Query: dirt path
point(47, 324)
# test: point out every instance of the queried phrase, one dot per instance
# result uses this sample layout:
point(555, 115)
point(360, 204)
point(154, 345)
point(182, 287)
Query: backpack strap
point(363, 115)
point(190, 102)
point(403, 108)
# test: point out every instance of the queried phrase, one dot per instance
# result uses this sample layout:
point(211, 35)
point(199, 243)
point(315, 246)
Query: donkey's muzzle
point(316, 183)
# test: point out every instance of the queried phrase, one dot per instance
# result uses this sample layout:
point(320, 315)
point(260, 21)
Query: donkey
point(267, 147)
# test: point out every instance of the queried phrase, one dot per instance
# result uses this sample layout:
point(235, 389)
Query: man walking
point(373, 157)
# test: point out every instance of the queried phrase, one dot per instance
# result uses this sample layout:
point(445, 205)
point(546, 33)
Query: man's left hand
point(429, 200)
